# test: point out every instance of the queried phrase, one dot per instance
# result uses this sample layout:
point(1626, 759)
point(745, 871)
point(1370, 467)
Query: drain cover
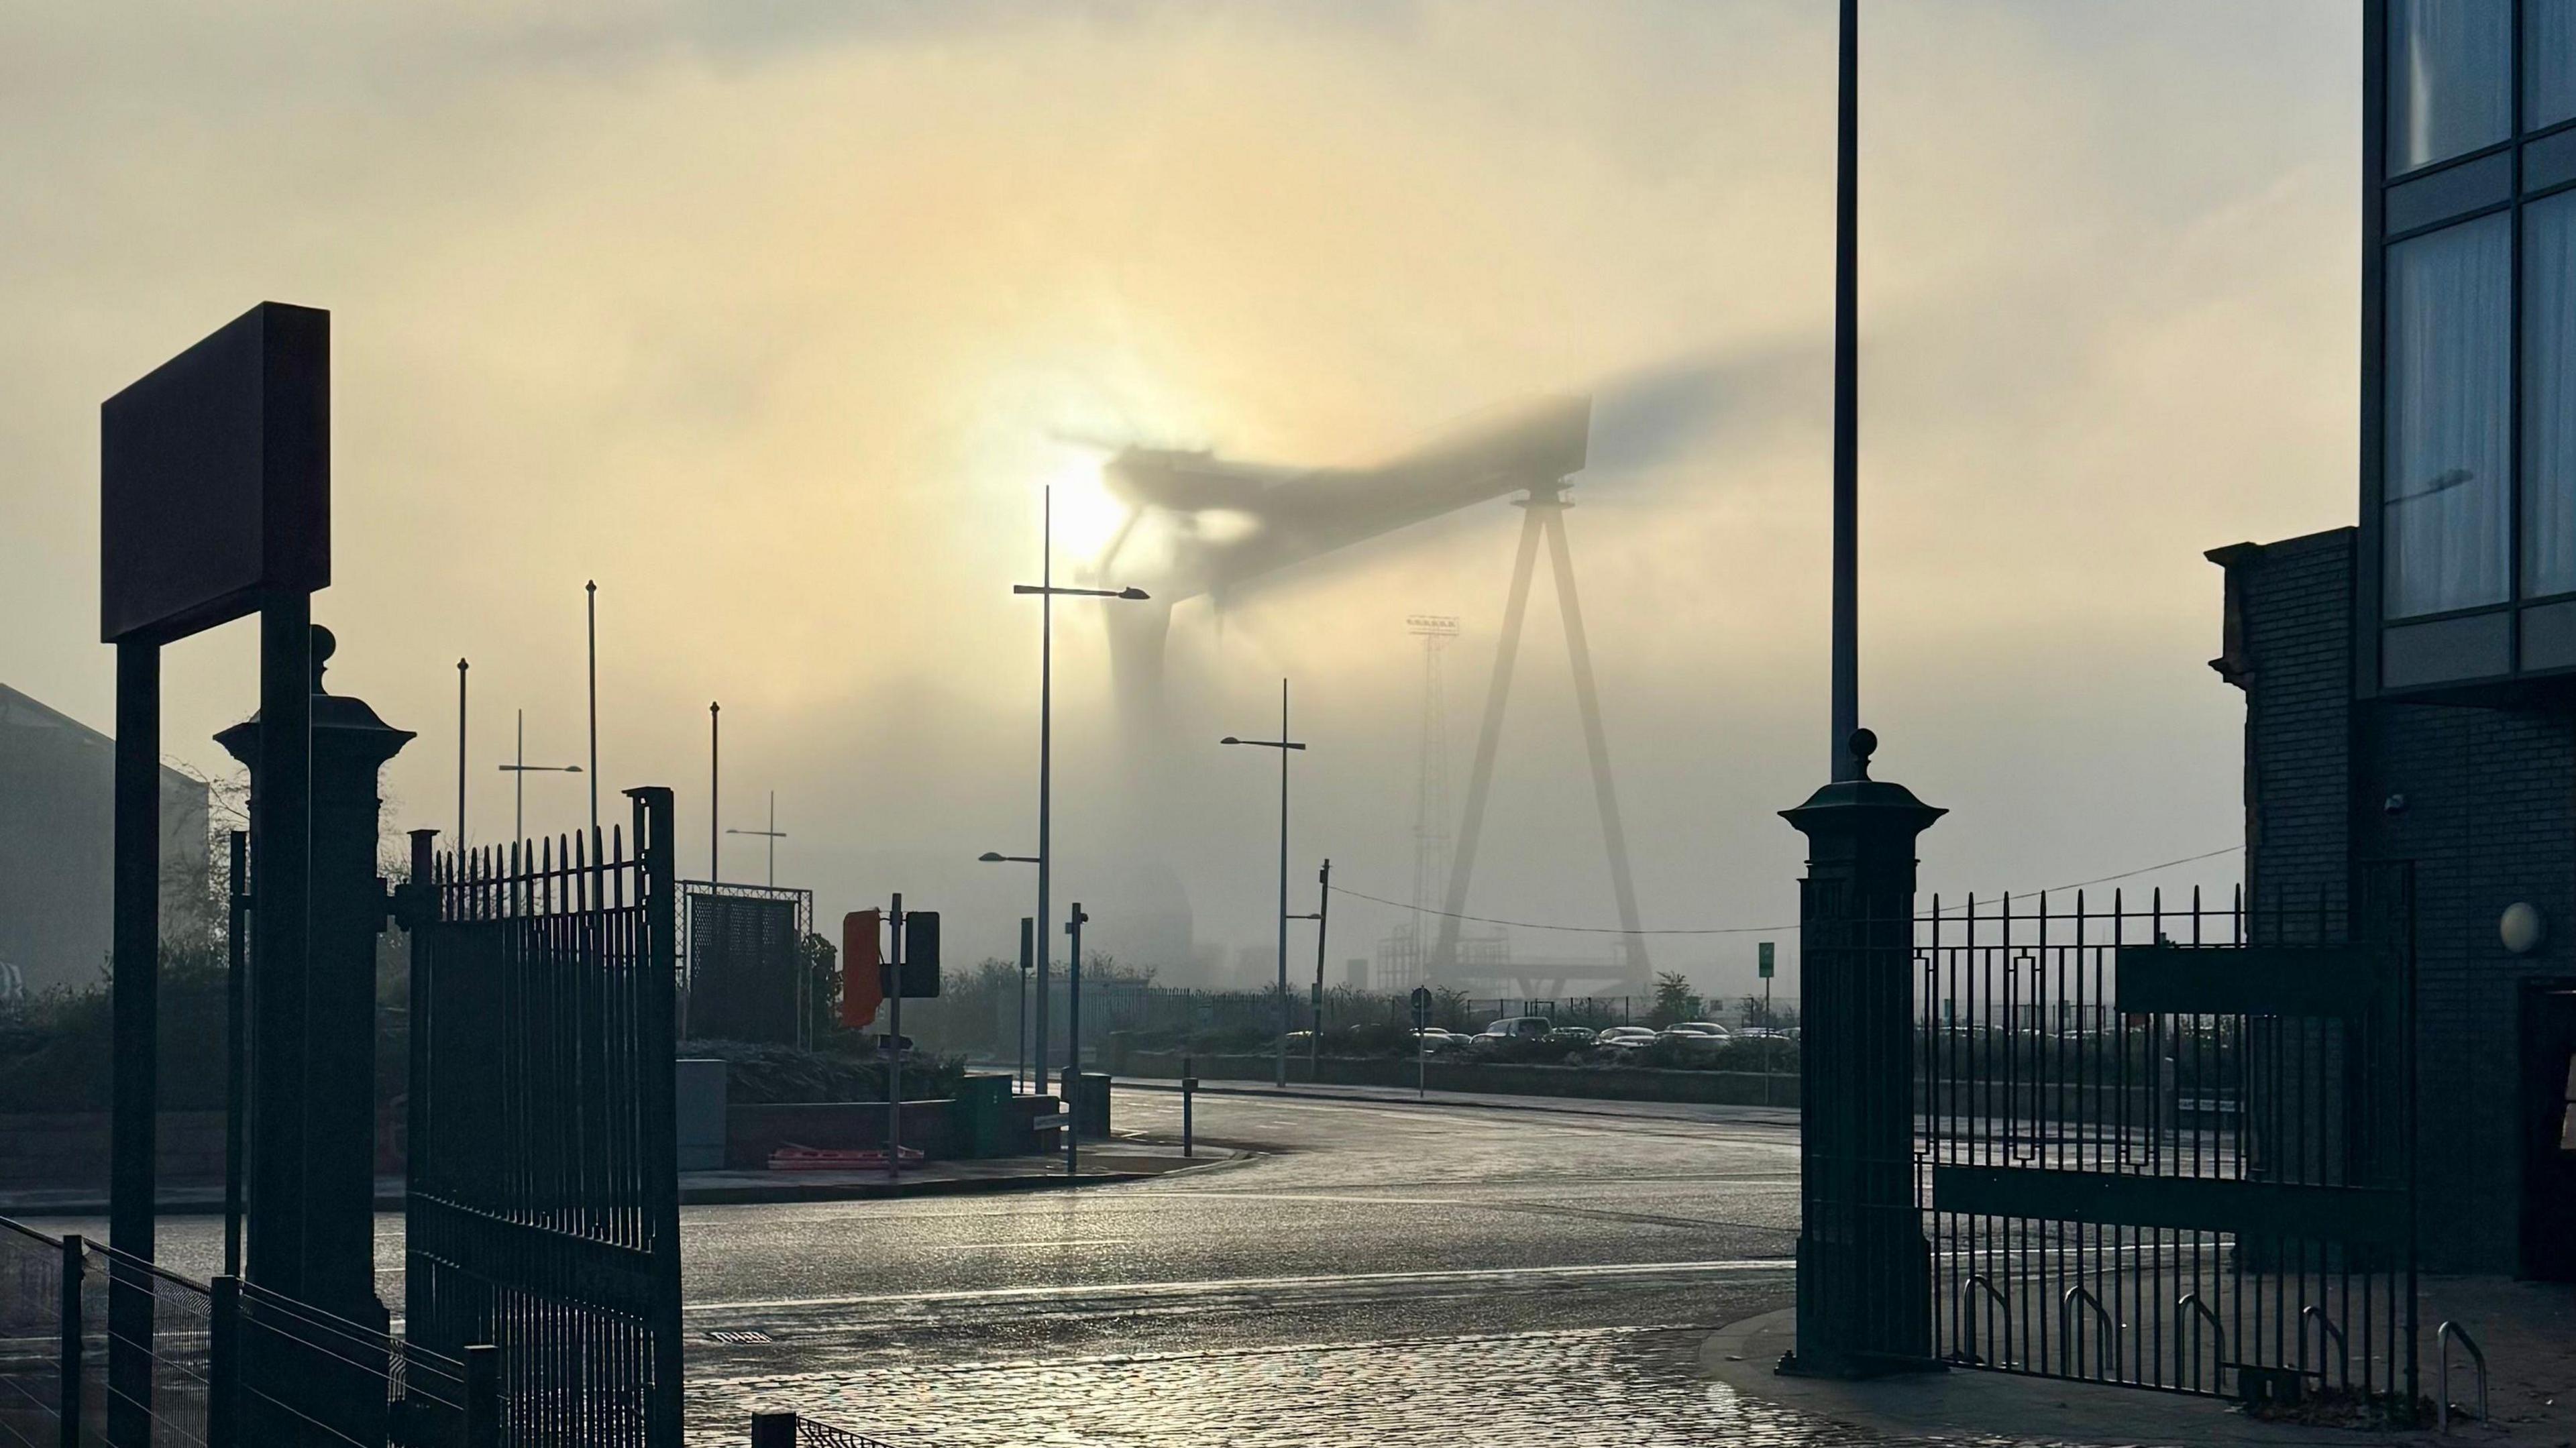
point(739, 1334)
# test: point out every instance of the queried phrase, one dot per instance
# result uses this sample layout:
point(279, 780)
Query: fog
point(775, 320)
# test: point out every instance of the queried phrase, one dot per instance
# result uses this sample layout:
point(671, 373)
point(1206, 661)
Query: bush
point(758, 1073)
point(55, 1049)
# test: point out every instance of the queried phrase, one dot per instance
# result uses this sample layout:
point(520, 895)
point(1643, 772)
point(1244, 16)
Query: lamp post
point(591, 592)
point(519, 770)
point(460, 759)
point(715, 761)
point(1284, 745)
point(1047, 593)
point(1028, 950)
point(773, 834)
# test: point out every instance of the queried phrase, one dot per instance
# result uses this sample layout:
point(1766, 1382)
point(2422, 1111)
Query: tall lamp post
point(460, 759)
point(1284, 745)
point(773, 834)
point(519, 770)
point(1047, 594)
point(591, 591)
point(1028, 946)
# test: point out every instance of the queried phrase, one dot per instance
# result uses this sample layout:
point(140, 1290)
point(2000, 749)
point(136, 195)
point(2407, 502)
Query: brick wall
point(2483, 800)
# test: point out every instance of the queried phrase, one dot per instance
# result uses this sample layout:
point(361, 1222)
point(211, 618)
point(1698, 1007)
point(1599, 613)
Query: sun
point(1086, 516)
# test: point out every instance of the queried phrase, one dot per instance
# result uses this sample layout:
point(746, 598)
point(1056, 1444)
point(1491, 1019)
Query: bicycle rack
point(2188, 1305)
point(2109, 1349)
point(1968, 1318)
point(2442, 1341)
point(2325, 1328)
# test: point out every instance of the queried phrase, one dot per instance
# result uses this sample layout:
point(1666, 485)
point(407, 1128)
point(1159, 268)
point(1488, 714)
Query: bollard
point(1189, 1084)
point(773, 1430)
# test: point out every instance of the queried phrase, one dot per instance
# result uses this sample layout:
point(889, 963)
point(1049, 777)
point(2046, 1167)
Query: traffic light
point(862, 968)
point(921, 954)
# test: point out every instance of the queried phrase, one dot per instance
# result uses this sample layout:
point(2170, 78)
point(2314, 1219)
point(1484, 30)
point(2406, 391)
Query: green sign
point(1765, 949)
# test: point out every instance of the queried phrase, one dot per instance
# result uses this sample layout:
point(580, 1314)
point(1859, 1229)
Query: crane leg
point(1489, 738)
point(1587, 696)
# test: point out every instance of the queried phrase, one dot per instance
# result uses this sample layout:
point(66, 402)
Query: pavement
point(1784, 1117)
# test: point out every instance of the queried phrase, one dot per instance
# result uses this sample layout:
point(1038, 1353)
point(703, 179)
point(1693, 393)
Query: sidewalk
point(2528, 1330)
point(1780, 1116)
point(1119, 1159)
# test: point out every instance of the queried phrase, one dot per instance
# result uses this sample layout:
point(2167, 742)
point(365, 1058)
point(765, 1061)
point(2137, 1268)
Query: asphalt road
point(1380, 1273)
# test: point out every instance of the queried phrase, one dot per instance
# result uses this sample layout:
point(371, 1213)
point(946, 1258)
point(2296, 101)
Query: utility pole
point(1323, 913)
point(773, 834)
point(1073, 1041)
point(1846, 564)
point(715, 760)
point(1285, 746)
point(460, 762)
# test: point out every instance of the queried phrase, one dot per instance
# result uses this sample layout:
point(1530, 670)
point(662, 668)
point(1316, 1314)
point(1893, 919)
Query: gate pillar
point(309, 1146)
point(1864, 1269)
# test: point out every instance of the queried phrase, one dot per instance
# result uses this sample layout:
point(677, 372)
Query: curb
point(1517, 1103)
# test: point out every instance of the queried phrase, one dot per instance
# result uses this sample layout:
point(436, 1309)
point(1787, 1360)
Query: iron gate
point(543, 1205)
point(2173, 1148)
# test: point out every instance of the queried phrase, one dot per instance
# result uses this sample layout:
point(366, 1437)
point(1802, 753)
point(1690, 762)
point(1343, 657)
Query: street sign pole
point(1764, 965)
point(1421, 1047)
point(894, 1044)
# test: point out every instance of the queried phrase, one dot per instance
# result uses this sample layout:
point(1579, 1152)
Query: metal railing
point(798, 1430)
point(2442, 1339)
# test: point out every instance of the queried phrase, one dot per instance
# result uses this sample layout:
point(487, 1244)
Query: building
point(2410, 681)
point(57, 787)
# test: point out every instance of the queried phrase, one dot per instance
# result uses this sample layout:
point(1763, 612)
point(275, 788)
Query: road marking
point(1712, 1267)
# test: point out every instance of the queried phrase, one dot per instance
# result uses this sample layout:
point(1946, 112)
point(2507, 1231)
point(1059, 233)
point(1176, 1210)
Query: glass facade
point(2474, 354)
point(2548, 62)
point(2446, 536)
point(2549, 396)
point(2450, 78)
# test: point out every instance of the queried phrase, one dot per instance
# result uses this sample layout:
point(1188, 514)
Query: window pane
point(2549, 396)
point(2548, 62)
point(2449, 366)
point(2450, 78)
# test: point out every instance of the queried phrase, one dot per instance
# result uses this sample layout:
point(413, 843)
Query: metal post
point(1189, 1089)
point(894, 1046)
point(715, 760)
point(460, 759)
point(591, 603)
point(1073, 1040)
point(1282, 1082)
point(1046, 756)
point(519, 782)
point(224, 1364)
point(773, 1430)
point(1323, 910)
point(236, 1045)
point(1028, 947)
point(67, 1393)
point(1846, 557)
point(135, 1010)
point(482, 1397)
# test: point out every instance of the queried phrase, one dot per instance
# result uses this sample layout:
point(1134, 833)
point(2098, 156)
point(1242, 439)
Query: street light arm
point(539, 768)
point(1265, 743)
point(1132, 594)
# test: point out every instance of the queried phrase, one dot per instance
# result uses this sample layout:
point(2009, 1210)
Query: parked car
point(1624, 1040)
point(1696, 1038)
point(1437, 1042)
point(1510, 1029)
point(1570, 1037)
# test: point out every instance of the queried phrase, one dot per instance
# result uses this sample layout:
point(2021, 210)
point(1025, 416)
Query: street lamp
point(520, 769)
point(1028, 946)
point(773, 834)
point(1047, 592)
point(1283, 744)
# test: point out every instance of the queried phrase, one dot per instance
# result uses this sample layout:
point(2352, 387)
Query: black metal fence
point(228, 1365)
point(543, 1202)
point(802, 1430)
point(2169, 1145)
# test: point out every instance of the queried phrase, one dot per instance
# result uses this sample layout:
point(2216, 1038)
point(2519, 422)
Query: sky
point(774, 320)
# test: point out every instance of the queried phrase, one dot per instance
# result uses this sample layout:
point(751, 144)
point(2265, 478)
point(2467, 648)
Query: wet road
point(1381, 1274)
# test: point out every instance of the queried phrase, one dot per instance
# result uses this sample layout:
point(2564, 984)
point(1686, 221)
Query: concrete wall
point(1603, 1083)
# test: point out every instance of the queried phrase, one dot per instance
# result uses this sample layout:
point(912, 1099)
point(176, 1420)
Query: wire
point(1745, 929)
